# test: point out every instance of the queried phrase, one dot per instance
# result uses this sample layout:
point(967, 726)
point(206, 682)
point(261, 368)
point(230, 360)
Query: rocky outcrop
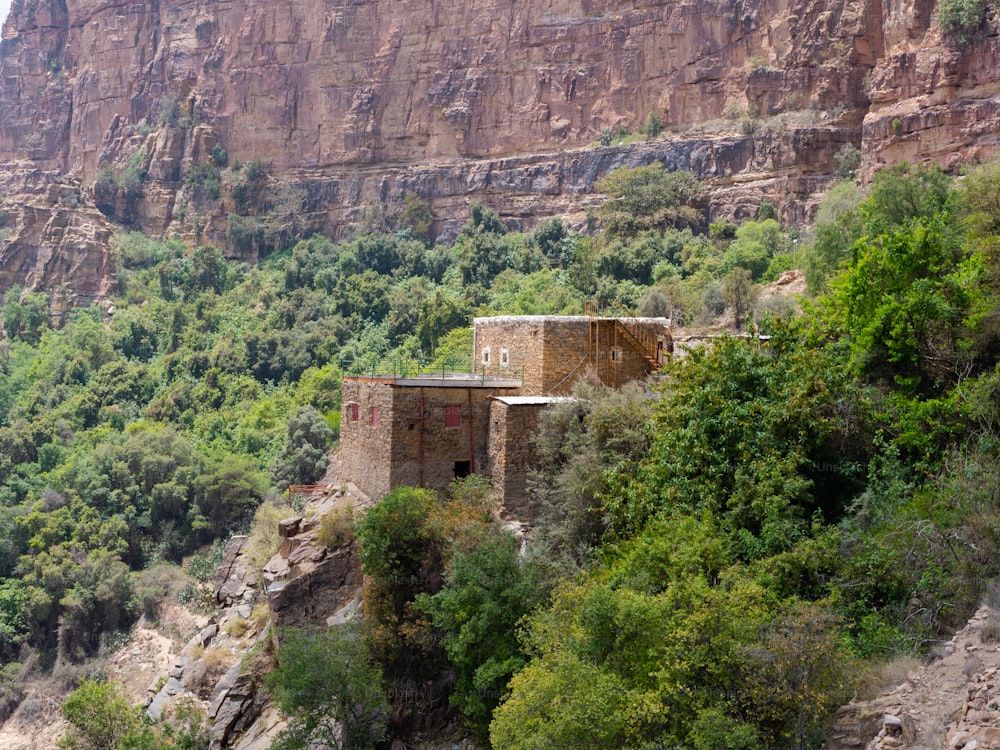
point(952, 702)
point(350, 103)
point(58, 240)
point(310, 84)
point(306, 581)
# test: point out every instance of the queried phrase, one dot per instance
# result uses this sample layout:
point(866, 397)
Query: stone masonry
point(512, 452)
point(553, 352)
point(427, 430)
point(422, 432)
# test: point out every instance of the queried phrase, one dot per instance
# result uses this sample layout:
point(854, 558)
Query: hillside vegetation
point(718, 562)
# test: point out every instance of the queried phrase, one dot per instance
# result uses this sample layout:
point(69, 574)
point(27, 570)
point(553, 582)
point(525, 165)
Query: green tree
point(798, 676)
point(101, 718)
point(227, 491)
point(641, 198)
point(839, 224)
point(755, 244)
point(25, 316)
point(905, 302)
point(417, 216)
point(486, 592)
point(401, 555)
point(327, 684)
point(904, 192)
point(13, 617)
point(565, 702)
point(745, 430)
point(738, 292)
point(962, 18)
point(304, 458)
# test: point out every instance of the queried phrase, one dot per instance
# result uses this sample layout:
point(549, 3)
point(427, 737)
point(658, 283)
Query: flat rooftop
point(567, 319)
point(533, 400)
point(440, 380)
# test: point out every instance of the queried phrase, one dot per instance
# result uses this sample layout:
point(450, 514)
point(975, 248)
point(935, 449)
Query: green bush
point(255, 169)
point(219, 155)
point(327, 684)
point(847, 161)
point(204, 179)
point(962, 18)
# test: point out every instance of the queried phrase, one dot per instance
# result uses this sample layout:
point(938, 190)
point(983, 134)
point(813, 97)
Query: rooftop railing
point(443, 369)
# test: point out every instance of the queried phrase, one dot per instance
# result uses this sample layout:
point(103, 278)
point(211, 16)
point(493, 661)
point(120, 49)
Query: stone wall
point(365, 450)
point(410, 442)
point(516, 340)
point(512, 452)
point(428, 452)
point(556, 351)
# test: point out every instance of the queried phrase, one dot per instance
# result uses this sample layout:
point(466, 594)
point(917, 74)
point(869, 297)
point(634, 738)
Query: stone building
point(422, 431)
point(512, 453)
point(426, 430)
point(554, 351)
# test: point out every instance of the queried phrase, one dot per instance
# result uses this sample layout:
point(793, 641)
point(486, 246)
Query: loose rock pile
point(952, 702)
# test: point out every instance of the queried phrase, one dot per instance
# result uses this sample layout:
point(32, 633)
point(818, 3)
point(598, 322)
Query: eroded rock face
point(59, 241)
point(311, 84)
point(362, 101)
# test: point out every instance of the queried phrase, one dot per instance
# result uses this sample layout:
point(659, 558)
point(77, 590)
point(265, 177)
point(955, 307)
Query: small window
point(486, 355)
point(462, 469)
point(354, 412)
point(615, 355)
point(374, 416)
point(452, 416)
point(505, 357)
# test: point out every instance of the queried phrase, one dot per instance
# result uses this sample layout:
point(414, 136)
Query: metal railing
point(444, 369)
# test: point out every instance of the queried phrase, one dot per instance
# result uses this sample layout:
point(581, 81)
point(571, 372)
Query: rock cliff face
point(353, 101)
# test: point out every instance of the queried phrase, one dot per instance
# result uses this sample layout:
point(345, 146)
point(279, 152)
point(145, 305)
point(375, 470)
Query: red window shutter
point(452, 416)
point(354, 412)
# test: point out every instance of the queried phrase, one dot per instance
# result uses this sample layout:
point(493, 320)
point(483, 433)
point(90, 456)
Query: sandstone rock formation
point(354, 102)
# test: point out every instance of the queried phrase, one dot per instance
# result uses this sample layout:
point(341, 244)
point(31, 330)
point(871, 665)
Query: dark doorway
point(462, 469)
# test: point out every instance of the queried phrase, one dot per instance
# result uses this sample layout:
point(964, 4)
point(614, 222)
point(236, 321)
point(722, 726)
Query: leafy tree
point(566, 702)
point(327, 684)
point(978, 199)
point(227, 490)
point(25, 315)
point(486, 592)
point(906, 301)
point(745, 431)
point(847, 160)
point(551, 236)
point(649, 197)
point(799, 675)
point(100, 718)
point(482, 256)
point(738, 292)
point(755, 244)
point(417, 216)
point(401, 555)
point(304, 459)
point(440, 314)
point(578, 442)
point(483, 220)
point(904, 192)
point(962, 18)
point(13, 618)
point(839, 224)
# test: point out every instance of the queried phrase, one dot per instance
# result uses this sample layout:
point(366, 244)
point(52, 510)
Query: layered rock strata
point(503, 101)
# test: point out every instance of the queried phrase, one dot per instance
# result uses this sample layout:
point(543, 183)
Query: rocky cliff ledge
point(353, 102)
